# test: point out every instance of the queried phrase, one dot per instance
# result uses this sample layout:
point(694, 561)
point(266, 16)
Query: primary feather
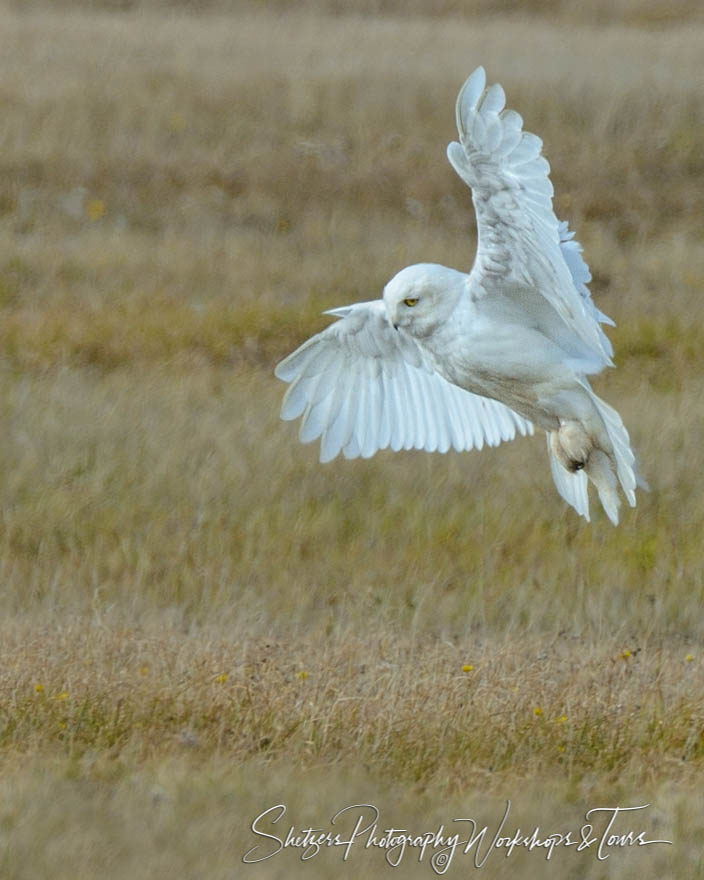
point(449, 360)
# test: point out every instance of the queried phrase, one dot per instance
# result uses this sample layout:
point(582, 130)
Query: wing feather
point(454, 414)
point(362, 386)
point(385, 412)
point(476, 437)
point(434, 420)
point(444, 420)
point(361, 389)
point(297, 396)
point(337, 430)
point(440, 417)
point(351, 449)
point(417, 440)
point(317, 411)
point(493, 434)
point(395, 412)
point(372, 435)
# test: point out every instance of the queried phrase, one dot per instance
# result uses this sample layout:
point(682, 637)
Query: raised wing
point(519, 236)
point(361, 386)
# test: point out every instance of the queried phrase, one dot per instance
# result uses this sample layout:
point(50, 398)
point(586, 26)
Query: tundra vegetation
point(198, 620)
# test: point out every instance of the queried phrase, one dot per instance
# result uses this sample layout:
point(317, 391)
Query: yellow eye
point(410, 302)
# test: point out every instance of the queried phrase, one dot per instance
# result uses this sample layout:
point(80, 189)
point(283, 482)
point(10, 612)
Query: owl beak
point(395, 326)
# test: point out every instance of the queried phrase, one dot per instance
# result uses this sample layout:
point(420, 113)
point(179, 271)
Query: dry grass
point(198, 620)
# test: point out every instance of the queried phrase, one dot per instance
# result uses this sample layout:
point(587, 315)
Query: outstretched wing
point(520, 238)
point(361, 386)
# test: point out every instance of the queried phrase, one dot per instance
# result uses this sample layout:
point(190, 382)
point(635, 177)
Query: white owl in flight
point(447, 359)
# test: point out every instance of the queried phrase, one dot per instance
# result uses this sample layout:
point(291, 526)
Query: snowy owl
point(453, 360)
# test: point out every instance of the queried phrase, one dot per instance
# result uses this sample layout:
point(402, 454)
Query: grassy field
point(198, 621)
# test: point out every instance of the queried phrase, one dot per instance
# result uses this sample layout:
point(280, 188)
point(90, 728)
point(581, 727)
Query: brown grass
point(199, 621)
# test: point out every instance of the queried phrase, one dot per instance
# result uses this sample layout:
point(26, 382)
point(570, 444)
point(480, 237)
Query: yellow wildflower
point(95, 209)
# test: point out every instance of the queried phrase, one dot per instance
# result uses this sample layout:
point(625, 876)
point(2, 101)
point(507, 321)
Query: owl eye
point(410, 301)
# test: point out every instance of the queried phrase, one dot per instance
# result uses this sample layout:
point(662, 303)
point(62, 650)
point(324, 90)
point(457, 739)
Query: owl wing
point(519, 237)
point(360, 385)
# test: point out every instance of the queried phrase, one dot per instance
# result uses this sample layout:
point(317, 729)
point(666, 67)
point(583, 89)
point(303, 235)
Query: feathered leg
point(601, 449)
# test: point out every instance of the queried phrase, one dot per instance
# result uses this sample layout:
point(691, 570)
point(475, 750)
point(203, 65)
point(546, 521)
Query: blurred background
point(196, 614)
